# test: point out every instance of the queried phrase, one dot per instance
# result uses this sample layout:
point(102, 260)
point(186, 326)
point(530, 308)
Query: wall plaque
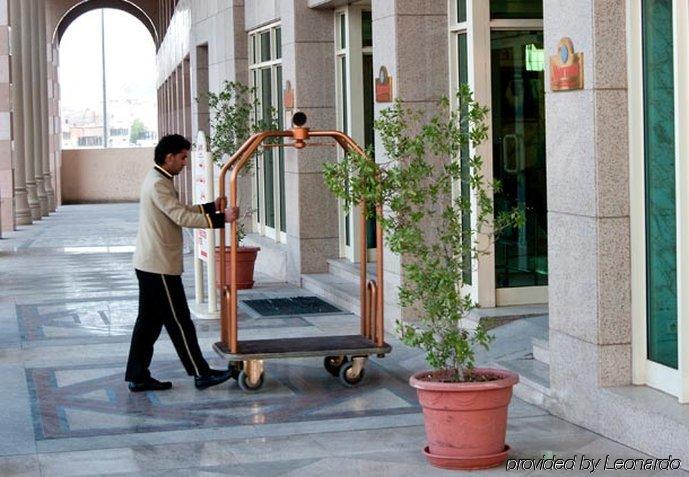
point(566, 67)
point(383, 86)
point(288, 96)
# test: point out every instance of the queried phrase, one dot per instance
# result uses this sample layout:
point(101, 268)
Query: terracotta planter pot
point(466, 422)
point(246, 258)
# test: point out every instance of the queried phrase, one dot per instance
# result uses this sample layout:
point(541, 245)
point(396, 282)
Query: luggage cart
point(344, 356)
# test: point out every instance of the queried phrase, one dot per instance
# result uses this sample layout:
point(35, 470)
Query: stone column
point(43, 91)
point(402, 31)
point(312, 217)
point(37, 126)
point(56, 147)
point(6, 180)
point(22, 213)
point(27, 12)
point(588, 213)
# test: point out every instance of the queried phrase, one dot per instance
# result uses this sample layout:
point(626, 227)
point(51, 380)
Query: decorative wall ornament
point(566, 67)
point(288, 95)
point(383, 86)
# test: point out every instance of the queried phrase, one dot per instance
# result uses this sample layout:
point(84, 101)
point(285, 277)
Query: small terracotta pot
point(466, 423)
point(246, 258)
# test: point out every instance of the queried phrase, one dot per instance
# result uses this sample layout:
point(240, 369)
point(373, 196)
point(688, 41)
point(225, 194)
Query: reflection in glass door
point(659, 172)
point(518, 115)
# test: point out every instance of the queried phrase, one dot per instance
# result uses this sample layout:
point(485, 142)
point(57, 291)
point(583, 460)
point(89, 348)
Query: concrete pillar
point(22, 213)
point(312, 216)
point(43, 92)
point(402, 29)
point(27, 12)
point(37, 126)
point(588, 210)
point(6, 180)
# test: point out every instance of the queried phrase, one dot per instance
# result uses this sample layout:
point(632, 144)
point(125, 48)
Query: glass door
point(518, 118)
point(354, 101)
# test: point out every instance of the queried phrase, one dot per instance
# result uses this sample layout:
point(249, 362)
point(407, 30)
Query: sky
point(129, 58)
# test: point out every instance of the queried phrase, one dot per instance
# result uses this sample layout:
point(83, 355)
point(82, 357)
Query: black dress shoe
point(150, 384)
point(211, 378)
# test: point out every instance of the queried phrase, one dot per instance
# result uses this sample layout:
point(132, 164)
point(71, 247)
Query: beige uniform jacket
point(161, 218)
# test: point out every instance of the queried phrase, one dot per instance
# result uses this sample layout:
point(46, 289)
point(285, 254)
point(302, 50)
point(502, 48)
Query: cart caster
point(250, 377)
point(351, 373)
point(246, 384)
point(333, 364)
point(236, 368)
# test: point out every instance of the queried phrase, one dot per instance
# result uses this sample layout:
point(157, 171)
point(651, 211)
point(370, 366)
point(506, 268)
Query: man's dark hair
point(171, 144)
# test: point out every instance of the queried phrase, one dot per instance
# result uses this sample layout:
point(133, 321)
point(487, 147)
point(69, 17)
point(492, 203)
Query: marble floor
point(68, 300)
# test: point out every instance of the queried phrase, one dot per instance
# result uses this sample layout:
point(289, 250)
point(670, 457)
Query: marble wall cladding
point(421, 77)
point(612, 153)
point(301, 23)
point(262, 12)
point(609, 42)
point(614, 281)
point(615, 365)
point(570, 153)
point(572, 280)
point(318, 217)
point(314, 84)
point(573, 379)
point(315, 252)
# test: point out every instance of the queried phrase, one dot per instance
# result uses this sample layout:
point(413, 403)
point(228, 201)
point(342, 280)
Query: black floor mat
point(298, 305)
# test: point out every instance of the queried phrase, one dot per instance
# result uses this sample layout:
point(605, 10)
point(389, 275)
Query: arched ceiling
point(61, 13)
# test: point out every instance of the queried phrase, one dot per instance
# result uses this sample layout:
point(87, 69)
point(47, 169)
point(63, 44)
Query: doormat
point(298, 305)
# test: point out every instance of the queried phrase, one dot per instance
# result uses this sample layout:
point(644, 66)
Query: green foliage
point(234, 112)
point(136, 131)
point(428, 159)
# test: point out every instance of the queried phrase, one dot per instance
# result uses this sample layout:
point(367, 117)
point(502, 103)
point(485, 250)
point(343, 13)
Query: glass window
point(659, 164)
point(461, 11)
point(265, 46)
point(507, 9)
point(366, 29)
point(343, 96)
point(518, 117)
point(278, 43)
point(343, 31)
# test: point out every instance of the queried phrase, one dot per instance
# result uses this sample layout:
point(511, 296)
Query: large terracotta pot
point(246, 258)
point(466, 422)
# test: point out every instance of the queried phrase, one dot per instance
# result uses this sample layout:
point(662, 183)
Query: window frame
point(256, 66)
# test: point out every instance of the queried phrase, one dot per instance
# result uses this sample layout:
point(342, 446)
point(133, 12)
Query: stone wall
point(104, 175)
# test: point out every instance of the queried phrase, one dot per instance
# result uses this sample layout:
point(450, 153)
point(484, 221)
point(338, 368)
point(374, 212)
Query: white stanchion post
point(204, 239)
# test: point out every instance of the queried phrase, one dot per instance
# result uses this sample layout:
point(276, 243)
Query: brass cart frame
point(246, 357)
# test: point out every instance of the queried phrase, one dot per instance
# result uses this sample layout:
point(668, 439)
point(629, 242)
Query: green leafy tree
point(136, 131)
point(429, 157)
point(234, 118)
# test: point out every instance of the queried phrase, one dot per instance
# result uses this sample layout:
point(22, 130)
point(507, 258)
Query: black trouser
point(162, 302)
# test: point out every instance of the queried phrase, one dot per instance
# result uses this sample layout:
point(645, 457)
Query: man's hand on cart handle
point(231, 214)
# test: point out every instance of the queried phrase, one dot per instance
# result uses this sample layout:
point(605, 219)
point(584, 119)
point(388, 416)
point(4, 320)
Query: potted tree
point(426, 187)
point(232, 121)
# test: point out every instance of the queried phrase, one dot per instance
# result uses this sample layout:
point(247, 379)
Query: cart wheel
point(347, 376)
point(246, 385)
point(236, 368)
point(333, 364)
